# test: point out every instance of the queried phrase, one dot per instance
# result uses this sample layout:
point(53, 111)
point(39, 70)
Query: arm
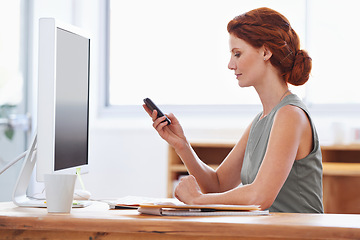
point(174, 135)
point(290, 139)
point(227, 176)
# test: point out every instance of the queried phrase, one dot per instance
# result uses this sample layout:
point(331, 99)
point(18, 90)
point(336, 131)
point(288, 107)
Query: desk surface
point(98, 222)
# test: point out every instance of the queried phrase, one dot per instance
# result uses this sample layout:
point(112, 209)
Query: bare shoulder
point(291, 114)
point(292, 129)
point(293, 124)
point(291, 120)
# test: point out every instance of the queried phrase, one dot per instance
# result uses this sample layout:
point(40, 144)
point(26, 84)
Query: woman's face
point(246, 61)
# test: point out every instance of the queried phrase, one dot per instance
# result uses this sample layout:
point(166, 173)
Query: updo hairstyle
point(266, 27)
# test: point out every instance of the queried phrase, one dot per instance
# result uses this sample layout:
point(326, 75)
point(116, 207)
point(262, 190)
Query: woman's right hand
point(173, 133)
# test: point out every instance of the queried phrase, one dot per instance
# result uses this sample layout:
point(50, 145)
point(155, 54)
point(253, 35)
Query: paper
point(181, 209)
point(218, 207)
point(173, 207)
point(133, 202)
point(198, 212)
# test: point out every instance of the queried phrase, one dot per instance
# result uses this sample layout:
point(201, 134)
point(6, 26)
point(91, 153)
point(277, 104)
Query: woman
point(278, 155)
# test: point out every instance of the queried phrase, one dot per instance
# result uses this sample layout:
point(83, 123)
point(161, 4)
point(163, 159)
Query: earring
point(264, 59)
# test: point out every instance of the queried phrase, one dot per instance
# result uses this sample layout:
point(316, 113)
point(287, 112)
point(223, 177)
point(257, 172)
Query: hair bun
point(301, 70)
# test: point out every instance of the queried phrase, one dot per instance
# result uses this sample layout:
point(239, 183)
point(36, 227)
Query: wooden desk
point(98, 222)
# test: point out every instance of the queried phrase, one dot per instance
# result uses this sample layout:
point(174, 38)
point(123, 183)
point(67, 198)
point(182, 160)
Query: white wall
point(126, 162)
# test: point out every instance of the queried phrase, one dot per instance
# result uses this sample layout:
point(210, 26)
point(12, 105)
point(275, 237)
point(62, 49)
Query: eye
point(237, 54)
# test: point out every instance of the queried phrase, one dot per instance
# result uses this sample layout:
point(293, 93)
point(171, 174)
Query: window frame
point(105, 110)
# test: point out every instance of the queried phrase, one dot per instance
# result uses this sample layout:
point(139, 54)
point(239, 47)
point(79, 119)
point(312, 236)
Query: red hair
point(266, 27)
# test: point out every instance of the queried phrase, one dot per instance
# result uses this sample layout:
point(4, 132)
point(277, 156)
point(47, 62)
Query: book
point(171, 209)
point(199, 212)
point(212, 207)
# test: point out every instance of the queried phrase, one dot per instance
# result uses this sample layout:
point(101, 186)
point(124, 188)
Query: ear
point(266, 52)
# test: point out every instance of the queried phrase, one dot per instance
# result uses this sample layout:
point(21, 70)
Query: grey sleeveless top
point(302, 190)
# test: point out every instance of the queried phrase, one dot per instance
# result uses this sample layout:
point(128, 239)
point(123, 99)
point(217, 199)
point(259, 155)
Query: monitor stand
point(20, 197)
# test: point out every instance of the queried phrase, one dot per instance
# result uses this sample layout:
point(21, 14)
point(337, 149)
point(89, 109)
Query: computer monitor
point(63, 99)
point(61, 142)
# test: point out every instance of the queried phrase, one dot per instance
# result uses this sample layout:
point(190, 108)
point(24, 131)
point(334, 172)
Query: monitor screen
point(63, 99)
point(72, 100)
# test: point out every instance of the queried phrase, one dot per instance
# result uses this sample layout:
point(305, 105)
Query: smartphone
point(150, 104)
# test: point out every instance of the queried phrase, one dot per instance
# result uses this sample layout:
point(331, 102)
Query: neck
point(272, 95)
point(271, 89)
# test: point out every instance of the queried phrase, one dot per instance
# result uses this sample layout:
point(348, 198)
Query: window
point(332, 38)
point(10, 75)
point(176, 52)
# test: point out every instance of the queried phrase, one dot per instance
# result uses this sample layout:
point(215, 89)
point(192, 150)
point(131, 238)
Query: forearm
point(243, 195)
point(205, 175)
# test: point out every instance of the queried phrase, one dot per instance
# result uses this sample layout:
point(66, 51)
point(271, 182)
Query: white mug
point(59, 190)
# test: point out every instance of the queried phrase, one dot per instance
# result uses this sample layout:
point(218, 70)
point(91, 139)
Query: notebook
point(199, 212)
point(173, 207)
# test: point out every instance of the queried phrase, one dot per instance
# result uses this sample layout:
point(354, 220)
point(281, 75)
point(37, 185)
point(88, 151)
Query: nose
point(231, 65)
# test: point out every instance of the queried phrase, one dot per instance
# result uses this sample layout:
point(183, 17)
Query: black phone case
point(150, 104)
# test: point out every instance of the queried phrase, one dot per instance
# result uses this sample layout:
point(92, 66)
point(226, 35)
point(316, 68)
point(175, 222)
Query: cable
point(18, 158)
point(21, 156)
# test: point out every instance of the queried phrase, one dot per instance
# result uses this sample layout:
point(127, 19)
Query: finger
point(184, 178)
point(147, 109)
point(158, 120)
point(177, 193)
point(160, 123)
point(154, 115)
point(192, 177)
point(188, 179)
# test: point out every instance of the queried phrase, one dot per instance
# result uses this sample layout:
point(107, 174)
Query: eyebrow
point(234, 49)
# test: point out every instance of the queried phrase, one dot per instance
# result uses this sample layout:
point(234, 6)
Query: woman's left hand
point(188, 190)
